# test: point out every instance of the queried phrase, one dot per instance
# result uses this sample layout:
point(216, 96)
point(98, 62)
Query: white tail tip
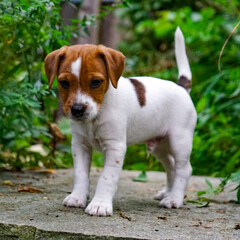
point(184, 72)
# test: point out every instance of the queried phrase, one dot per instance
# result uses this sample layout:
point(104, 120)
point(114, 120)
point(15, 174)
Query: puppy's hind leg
point(181, 146)
point(162, 153)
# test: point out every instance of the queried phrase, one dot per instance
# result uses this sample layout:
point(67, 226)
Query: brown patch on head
point(140, 91)
point(114, 62)
point(98, 63)
point(185, 83)
point(52, 63)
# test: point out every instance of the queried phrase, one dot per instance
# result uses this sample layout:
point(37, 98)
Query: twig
point(220, 55)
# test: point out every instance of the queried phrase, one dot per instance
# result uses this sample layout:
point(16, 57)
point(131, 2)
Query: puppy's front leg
point(101, 204)
point(82, 154)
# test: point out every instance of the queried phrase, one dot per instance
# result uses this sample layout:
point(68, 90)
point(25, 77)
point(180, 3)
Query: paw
point(75, 201)
point(161, 194)
point(99, 208)
point(171, 201)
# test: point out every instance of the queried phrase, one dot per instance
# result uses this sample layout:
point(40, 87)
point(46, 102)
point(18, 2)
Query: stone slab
point(25, 215)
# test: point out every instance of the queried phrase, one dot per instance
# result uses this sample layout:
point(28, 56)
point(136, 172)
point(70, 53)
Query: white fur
point(83, 98)
point(181, 56)
point(76, 67)
point(92, 106)
point(168, 113)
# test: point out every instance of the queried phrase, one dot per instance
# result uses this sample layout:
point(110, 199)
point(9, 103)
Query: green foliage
point(234, 178)
point(28, 31)
point(214, 190)
point(137, 158)
point(31, 29)
point(142, 177)
point(149, 41)
point(18, 119)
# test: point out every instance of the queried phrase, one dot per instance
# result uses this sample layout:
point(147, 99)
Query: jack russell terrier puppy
point(108, 112)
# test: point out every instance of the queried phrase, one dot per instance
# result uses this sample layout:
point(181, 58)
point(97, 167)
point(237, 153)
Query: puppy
point(108, 112)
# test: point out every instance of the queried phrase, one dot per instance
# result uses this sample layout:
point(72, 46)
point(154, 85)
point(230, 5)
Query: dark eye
point(95, 83)
point(65, 84)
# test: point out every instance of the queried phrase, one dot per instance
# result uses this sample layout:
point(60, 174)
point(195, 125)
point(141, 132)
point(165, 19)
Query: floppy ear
point(52, 61)
point(114, 61)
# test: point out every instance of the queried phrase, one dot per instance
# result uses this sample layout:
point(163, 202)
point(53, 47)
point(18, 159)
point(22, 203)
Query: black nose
point(77, 110)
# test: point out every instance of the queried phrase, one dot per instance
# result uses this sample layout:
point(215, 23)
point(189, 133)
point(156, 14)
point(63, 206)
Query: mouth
point(79, 119)
point(85, 118)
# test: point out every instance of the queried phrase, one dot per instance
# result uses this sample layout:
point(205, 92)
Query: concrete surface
point(26, 215)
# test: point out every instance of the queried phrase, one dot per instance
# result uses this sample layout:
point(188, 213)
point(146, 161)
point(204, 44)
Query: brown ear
point(114, 61)
point(52, 61)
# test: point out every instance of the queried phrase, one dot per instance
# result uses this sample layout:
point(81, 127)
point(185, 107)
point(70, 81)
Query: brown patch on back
point(140, 91)
point(185, 83)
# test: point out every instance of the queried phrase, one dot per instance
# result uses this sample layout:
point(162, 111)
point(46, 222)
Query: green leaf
point(10, 135)
point(200, 202)
point(142, 177)
point(208, 183)
point(238, 195)
point(235, 177)
point(203, 204)
point(201, 104)
point(200, 193)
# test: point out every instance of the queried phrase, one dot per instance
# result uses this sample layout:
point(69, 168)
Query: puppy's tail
point(184, 72)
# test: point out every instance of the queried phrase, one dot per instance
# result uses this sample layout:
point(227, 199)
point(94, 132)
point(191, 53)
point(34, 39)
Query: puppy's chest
point(93, 137)
point(89, 133)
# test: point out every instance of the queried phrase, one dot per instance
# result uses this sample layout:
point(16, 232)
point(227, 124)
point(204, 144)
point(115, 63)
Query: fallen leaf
point(8, 183)
point(28, 189)
point(211, 220)
point(48, 170)
point(11, 209)
point(125, 217)
point(34, 168)
point(221, 211)
point(195, 225)
point(47, 198)
point(199, 224)
point(206, 227)
point(1, 194)
point(237, 226)
point(142, 177)
point(191, 189)
point(163, 218)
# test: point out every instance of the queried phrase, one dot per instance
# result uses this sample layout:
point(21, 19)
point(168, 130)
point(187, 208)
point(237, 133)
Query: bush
point(31, 29)
point(149, 30)
point(28, 31)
